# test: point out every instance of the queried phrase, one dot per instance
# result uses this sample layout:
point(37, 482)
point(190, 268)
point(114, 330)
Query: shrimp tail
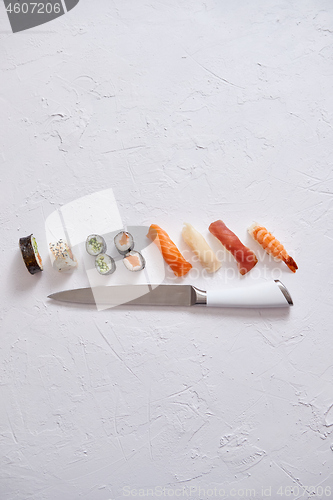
point(290, 263)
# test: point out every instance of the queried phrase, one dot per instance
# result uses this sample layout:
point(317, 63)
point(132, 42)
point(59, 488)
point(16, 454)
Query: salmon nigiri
point(170, 252)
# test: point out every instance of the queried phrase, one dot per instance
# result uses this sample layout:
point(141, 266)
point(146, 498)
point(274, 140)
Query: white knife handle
point(268, 294)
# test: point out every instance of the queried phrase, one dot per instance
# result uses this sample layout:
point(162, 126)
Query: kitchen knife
point(268, 294)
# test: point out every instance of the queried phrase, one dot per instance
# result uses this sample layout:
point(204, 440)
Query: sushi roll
point(64, 259)
point(124, 242)
point(105, 264)
point(134, 261)
point(95, 244)
point(30, 254)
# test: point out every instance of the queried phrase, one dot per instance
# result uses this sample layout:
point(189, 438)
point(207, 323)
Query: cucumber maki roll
point(134, 261)
point(124, 242)
point(30, 254)
point(95, 244)
point(105, 264)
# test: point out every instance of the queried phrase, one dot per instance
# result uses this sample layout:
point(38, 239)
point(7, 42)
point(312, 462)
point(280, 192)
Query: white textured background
point(190, 110)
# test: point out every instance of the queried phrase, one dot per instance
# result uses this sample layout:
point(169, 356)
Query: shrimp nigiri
point(271, 245)
point(170, 252)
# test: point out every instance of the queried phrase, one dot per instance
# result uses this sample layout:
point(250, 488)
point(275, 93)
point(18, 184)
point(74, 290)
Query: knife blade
point(267, 294)
point(169, 295)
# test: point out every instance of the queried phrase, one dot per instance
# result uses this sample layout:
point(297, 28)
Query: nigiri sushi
point(30, 254)
point(271, 245)
point(170, 252)
point(246, 259)
point(200, 247)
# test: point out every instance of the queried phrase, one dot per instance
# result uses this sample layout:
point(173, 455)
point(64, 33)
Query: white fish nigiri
point(200, 247)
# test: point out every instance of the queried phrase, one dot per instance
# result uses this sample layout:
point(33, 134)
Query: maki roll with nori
point(124, 242)
point(30, 254)
point(64, 259)
point(95, 244)
point(134, 261)
point(105, 264)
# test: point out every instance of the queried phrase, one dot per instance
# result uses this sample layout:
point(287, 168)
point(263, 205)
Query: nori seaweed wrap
point(30, 254)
